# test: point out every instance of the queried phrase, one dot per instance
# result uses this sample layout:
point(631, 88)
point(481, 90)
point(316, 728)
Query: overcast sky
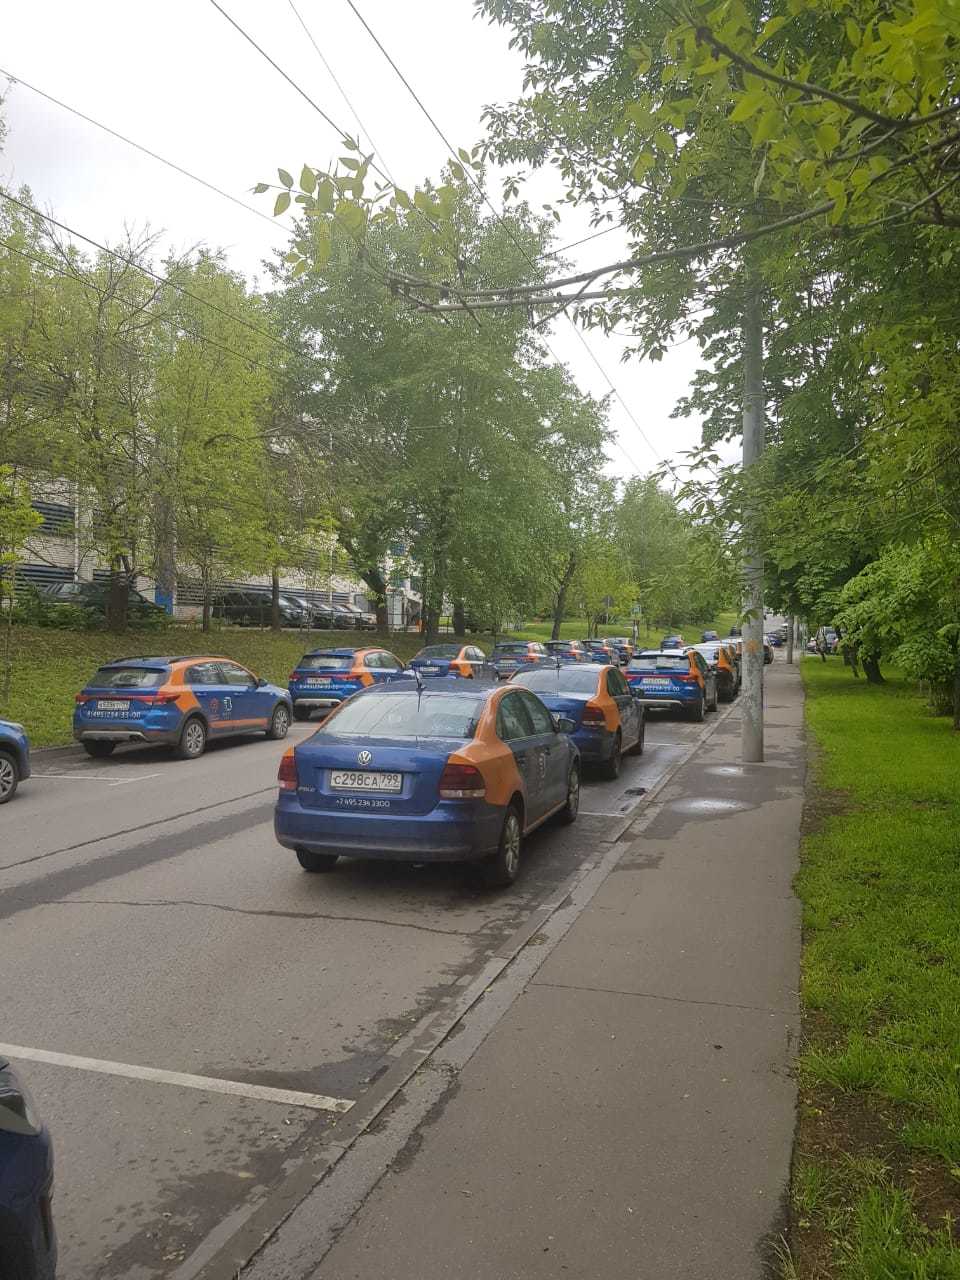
point(181, 81)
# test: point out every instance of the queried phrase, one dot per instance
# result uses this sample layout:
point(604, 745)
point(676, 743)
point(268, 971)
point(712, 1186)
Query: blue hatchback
point(14, 758)
point(323, 678)
point(28, 1245)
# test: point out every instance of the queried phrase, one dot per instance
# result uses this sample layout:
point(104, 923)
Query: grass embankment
point(50, 665)
point(876, 1182)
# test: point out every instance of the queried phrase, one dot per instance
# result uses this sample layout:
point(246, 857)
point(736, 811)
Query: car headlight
point(18, 1112)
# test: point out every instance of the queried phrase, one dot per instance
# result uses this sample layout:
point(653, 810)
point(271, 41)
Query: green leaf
point(285, 178)
point(758, 180)
point(283, 202)
point(767, 127)
point(403, 200)
point(641, 58)
point(308, 180)
point(748, 104)
point(260, 188)
point(853, 33)
point(457, 171)
point(771, 27)
point(839, 208)
point(464, 155)
point(348, 162)
point(828, 136)
point(302, 266)
point(642, 165)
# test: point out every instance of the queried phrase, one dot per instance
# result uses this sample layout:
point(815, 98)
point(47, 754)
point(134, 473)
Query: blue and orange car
point(14, 758)
point(419, 772)
point(600, 650)
point(675, 678)
point(323, 678)
point(516, 655)
point(567, 651)
point(179, 702)
point(596, 698)
point(453, 659)
point(28, 1242)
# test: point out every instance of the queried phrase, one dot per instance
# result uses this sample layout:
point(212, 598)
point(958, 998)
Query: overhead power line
point(452, 151)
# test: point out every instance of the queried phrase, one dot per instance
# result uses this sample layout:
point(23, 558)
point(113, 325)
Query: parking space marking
point(208, 1084)
point(97, 777)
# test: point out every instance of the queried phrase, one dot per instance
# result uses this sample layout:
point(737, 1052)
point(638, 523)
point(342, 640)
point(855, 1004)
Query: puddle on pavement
point(708, 804)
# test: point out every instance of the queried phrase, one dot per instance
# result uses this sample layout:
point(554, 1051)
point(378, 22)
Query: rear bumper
point(315, 703)
point(667, 700)
point(594, 744)
point(445, 835)
point(108, 733)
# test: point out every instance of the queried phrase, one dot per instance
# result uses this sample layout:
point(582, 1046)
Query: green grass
point(50, 665)
point(880, 885)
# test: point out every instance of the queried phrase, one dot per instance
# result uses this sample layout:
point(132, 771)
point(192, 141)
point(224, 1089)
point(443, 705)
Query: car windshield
point(561, 645)
point(709, 651)
point(406, 715)
point(659, 662)
point(323, 662)
point(439, 651)
point(578, 679)
point(128, 678)
point(510, 648)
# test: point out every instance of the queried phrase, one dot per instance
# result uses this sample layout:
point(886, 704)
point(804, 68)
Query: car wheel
point(301, 713)
point(696, 712)
point(98, 749)
point(637, 748)
point(9, 777)
point(316, 862)
point(570, 810)
point(715, 700)
point(501, 869)
point(193, 740)
point(279, 722)
point(610, 769)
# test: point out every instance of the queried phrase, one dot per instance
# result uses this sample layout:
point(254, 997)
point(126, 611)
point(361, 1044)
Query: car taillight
point(461, 782)
point(83, 697)
point(593, 716)
point(287, 773)
point(529, 657)
point(170, 696)
point(686, 678)
point(292, 676)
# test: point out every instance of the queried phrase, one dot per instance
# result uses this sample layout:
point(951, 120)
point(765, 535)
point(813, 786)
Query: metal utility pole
point(752, 698)
point(791, 631)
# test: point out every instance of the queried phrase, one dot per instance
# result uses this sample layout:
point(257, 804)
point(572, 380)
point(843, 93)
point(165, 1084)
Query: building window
point(57, 519)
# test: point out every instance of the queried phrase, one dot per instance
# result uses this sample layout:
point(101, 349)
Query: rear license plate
point(319, 682)
point(654, 682)
point(508, 662)
point(429, 671)
point(354, 780)
point(113, 706)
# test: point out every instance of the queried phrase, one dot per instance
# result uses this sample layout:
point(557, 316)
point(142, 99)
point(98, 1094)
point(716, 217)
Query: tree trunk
point(383, 619)
point(275, 598)
point(871, 668)
point(459, 619)
point(560, 599)
point(117, 599)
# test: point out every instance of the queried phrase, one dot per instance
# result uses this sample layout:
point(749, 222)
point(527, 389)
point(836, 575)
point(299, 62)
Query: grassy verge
point(50, 666)
point(877, 1165)
point(650, 636)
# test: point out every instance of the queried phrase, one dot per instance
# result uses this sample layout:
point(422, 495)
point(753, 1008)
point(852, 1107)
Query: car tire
point(279, 722)
point(714, 704)
point(301, 713)
point(500, 870)
point(696, 713)
point(9, 776)
point(316, 862)
point(637, 748)
point(193, 740)
point(570, 810)
point(610, 769)
point(98, 749)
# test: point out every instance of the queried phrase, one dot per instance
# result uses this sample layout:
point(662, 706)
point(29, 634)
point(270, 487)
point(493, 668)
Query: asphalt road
point(193, 1012)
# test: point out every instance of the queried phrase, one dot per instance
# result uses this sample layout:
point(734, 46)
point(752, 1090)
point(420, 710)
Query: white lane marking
point(97, 777)
point(209, 1084)
point(140, 777)
point(613, 813)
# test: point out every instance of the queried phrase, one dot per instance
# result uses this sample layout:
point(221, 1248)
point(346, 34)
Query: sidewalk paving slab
point(631, 1115)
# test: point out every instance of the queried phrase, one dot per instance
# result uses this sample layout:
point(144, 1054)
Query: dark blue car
point(14, 759)
point(28, 1245)
point(323, 678)
point(457, 659)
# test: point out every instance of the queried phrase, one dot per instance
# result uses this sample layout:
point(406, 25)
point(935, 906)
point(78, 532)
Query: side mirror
point(563, 724)
point(261, 683)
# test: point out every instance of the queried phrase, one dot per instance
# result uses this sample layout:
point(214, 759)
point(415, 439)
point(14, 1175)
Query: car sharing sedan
point(600, 650)
point(597, 699)
point(457, 659)
point(323, 678)
point(28, 1244)
point(418, 772)
point(679, 679)
point(14, 758)
point(514, 655)
point(723, 662)
point(181, 702)
point(622, 647)
point(567, 651)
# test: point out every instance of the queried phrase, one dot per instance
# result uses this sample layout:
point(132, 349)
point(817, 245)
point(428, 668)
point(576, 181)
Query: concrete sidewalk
point(631, 1115)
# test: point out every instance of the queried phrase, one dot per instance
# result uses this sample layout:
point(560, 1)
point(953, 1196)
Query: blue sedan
point(14, 758)
point(28, 1245)
point(428, 771)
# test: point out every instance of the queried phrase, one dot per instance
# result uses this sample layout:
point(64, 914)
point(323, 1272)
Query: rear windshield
point(320, 662)
point(661, 662)
point(128, 678)
point(579, 679)
point(596, 644)
point(709, 651)
point(560, 645)
point(406, 715)
point(439, 651)
point(510, 648)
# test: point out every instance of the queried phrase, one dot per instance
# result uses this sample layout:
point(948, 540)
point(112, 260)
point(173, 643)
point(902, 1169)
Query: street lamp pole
point(752, 701)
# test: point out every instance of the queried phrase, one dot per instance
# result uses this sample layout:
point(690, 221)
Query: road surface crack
point(654, 995)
